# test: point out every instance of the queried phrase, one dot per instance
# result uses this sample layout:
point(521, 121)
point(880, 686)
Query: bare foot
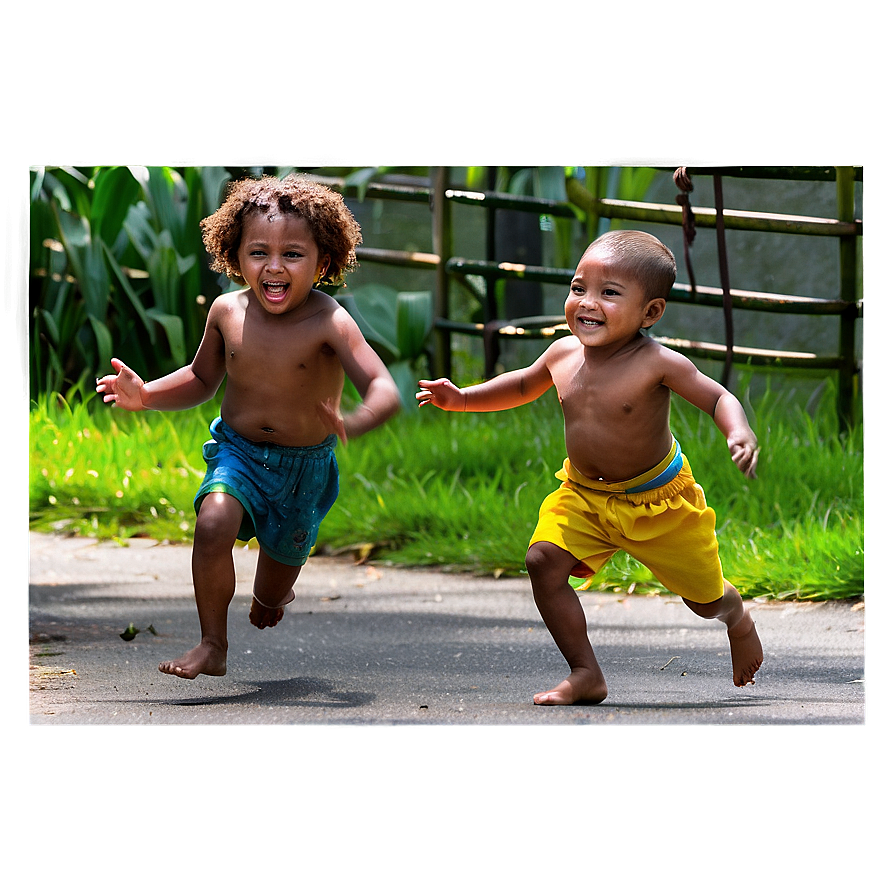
point(746, 650)
point(263, 616)
point(582, 686)
point(204, 659)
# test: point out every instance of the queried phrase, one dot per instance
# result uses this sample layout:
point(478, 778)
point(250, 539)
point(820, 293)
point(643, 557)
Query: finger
point(754, 461)
point(426, 394)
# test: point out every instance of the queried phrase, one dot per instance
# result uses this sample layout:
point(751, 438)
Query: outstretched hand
point(122, 387)
point(442, 393)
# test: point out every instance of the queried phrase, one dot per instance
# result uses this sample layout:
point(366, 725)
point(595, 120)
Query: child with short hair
point(285, 348)
point(625, 484)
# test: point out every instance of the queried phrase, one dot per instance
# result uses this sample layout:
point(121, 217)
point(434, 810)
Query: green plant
point(117, 264)
point(397, 325)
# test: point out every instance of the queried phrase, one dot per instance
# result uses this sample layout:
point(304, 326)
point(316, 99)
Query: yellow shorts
point(668, 528)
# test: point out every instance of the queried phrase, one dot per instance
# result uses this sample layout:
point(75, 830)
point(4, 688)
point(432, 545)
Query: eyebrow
point(605, 283)
point(259, 242)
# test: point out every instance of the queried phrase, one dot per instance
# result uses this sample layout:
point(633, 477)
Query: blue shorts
point(285, 491)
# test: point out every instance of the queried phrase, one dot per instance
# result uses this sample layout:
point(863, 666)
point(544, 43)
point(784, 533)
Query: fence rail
point(441, 196)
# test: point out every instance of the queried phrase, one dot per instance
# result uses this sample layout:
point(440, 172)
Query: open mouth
point(274, 290)
point(590, 323)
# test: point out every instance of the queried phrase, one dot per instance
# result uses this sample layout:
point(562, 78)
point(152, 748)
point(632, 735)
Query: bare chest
point(609, 393)
point(276, 346)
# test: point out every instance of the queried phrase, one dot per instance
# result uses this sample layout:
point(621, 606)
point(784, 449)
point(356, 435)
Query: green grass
point(463, 490)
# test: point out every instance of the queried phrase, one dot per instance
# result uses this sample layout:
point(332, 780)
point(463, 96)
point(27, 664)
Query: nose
point(275, 263)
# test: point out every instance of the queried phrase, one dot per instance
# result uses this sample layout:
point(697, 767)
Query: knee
point(545, 559)
point(536, 559)
point(217, 523)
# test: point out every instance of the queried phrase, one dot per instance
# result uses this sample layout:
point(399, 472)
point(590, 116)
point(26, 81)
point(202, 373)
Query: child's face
point(279, 260)
point(605, 305)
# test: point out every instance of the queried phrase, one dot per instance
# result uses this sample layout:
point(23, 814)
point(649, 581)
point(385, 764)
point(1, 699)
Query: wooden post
point(848, 260)
point(441, 245)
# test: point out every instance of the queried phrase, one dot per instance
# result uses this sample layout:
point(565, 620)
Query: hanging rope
point(689, 228)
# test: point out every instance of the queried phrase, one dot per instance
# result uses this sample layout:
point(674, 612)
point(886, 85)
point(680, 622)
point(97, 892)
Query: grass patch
point(463, 490)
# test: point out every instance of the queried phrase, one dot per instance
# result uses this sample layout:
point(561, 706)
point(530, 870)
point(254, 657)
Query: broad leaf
point(166, 269)
point(115, 191)
point(374, 308)
point(413, 323)
point(87, 261)
point(128, 290)
point(139, 228)
point(103, 339)
point(167, 196)
point(174, 331)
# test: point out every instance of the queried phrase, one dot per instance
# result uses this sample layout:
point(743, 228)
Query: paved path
point(377, 645)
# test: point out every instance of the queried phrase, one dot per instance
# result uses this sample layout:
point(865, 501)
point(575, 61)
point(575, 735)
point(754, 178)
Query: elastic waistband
point(219, 427)
point(662, 474)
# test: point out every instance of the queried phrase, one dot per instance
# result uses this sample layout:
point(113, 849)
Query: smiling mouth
point(590, 323)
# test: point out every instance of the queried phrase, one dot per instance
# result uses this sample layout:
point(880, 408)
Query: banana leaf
point(166, 193)
point(413, 323)
point(130, 294)
point(166, 269)
point(174, 331)
point(115, 191)
point(373, 307)
point(87, 260)
point(103, 339)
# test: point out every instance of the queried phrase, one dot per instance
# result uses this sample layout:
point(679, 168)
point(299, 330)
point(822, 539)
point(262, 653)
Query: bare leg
point(549, 567)
point(214, 582)
point(746, 648)
point(272, 590)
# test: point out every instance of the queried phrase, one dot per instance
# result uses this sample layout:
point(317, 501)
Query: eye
point(575, 289)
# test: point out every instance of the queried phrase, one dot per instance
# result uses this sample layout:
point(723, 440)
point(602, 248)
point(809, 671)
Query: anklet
point(279, 606)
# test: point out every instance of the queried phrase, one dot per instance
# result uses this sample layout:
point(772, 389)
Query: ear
point(324, 267)
point(653, 311)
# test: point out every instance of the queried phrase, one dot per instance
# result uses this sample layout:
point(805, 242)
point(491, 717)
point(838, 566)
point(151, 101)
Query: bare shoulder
point(670, 362)
point(563, 348)
point(228, 302)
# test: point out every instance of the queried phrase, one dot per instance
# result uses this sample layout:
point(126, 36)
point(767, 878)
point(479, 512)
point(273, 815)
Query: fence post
point(441, 246)
point(848, 261)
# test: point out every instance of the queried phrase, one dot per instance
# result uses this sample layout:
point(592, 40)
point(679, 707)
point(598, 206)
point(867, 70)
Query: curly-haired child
point(285, 348)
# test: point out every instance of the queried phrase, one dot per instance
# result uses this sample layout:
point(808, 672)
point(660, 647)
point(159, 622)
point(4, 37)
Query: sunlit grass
point(463, 490)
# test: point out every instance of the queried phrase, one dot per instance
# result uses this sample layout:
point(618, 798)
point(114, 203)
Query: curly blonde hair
point(333, 226)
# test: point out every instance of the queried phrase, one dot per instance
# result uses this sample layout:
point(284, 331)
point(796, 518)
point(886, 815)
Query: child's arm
point(370, 376)
point(507, 390)
point(185, 388)
point(683, 378)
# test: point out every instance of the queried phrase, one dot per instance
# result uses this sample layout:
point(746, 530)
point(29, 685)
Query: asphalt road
point(375, 645)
